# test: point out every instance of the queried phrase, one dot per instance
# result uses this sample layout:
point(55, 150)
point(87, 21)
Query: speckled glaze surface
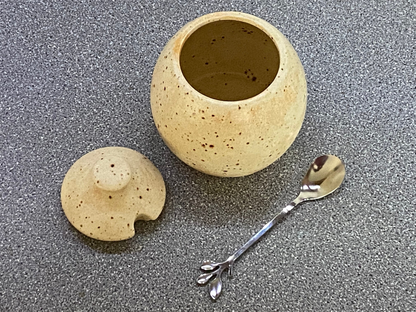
point(225, 137)
point(108, 189)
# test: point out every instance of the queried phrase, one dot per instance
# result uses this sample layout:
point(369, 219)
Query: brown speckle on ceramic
point(224, 88)
point(103, 193)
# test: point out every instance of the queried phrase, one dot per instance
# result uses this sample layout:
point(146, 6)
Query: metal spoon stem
point(279, 217)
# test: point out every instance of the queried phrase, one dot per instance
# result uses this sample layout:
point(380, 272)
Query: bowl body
point(228, 94)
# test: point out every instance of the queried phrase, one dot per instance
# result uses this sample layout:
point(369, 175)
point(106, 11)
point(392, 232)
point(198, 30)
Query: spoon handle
point(214, 270)
point(279, 217)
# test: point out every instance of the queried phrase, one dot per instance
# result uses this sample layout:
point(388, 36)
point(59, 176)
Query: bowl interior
point(229, 60)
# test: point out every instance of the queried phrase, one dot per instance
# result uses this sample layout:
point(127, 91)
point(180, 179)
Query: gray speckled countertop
point(75, 76)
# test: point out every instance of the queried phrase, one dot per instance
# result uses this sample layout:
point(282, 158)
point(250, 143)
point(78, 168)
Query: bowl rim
point(275, 35)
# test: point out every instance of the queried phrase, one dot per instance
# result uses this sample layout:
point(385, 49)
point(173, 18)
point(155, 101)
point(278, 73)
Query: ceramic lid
point(107, 190)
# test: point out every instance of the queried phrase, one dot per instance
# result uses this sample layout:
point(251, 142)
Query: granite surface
point(75, 76)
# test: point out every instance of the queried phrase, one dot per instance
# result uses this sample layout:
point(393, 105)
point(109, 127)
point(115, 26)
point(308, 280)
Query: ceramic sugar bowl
point(228, 94)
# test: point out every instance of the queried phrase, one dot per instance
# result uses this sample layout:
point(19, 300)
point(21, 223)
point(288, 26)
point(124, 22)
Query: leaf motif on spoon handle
point(209, 265)
point(204, 278)
point(213, 275)
point(215, 287)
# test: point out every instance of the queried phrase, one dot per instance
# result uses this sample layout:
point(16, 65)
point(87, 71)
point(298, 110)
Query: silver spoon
point(324, 176)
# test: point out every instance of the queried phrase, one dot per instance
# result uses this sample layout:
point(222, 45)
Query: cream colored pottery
point(107, 190)
point(228, 94)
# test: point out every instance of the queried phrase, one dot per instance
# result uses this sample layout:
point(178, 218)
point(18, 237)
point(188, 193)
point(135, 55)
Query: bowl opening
point(229, 60)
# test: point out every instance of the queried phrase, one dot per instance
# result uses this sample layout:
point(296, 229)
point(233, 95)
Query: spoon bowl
point(324, 176)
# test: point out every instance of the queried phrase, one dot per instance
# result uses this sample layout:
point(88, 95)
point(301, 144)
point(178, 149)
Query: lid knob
point(111, 173)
